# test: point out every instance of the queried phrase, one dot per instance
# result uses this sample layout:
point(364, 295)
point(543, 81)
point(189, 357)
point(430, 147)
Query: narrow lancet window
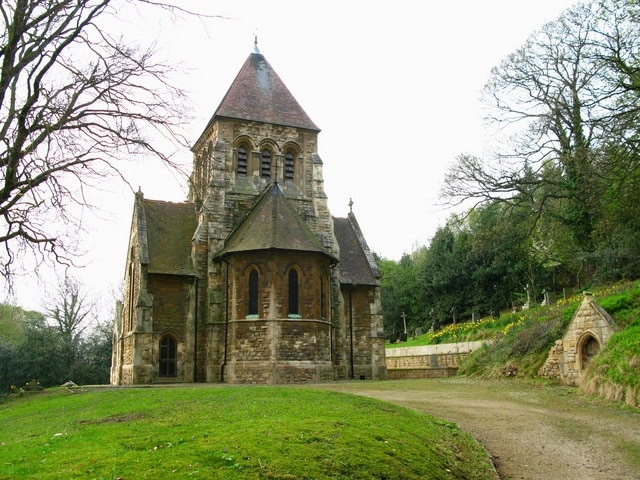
point(293, 292)
point(253, 293)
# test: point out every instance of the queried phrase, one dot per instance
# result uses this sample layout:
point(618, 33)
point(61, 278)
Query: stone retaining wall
point(429, 361)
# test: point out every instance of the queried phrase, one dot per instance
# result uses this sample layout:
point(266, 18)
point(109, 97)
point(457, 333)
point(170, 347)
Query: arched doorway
point(168, 357)
point(589, 348)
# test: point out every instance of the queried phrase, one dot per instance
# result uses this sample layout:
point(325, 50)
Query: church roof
point(357, 266)
point(273, 224)
point(166, 232)
point(258, 94)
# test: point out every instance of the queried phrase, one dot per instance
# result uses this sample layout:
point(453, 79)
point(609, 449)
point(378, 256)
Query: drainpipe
point(195, 332)
point(351, 372)
point(226, 321)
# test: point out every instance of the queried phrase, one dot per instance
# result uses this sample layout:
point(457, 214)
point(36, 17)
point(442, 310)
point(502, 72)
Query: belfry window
point(289, 166)
point(168, 356)
point(265, 170)
point(293, 293)
point(253, 293)
point(242, 162)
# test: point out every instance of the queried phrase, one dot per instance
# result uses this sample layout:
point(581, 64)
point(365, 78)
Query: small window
point(289, 166)
point(242, 162)
point(253, 293)
point(293, 293)
point(266, 164)
point(168, 356)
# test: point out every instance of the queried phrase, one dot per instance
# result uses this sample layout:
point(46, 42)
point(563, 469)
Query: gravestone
point(549, 298)
point(433, 360)
point(417, 332)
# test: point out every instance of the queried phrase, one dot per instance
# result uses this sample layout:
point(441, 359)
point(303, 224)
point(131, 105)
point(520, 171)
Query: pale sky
point(394, 87)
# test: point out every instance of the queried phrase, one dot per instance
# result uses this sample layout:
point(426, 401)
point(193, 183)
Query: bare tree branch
point(75, 102)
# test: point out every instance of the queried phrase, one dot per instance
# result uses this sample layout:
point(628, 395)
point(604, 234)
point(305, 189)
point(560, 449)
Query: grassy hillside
point(523, 340)
point(227, 432)
point(614, 373)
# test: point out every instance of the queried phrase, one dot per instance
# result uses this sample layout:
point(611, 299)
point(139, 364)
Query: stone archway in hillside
point(587, 333)
point(588, 347)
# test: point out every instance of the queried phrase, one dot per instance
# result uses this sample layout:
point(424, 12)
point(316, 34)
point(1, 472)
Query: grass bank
point(521, 341)
point(228, 433)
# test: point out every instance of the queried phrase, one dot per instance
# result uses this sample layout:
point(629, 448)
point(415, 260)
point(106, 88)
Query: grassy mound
point(228, 433)
point(614, 373)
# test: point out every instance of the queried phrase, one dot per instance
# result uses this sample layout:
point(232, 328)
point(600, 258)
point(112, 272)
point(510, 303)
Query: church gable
point(169, 230)
point(356, 266)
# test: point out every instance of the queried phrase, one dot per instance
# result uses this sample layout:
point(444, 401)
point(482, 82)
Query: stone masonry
point(589, 330)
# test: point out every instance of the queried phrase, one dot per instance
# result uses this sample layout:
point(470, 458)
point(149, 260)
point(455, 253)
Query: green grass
point(228, 433)
point(614, 373)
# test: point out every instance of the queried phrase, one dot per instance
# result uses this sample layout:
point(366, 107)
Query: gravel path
point(531, 430)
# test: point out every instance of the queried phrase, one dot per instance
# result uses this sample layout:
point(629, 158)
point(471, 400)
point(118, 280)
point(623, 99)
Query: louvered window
point(266, 164)
point(289, 166)
point(242, 161)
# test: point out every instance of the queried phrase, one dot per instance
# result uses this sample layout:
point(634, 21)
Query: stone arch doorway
point(588, 346)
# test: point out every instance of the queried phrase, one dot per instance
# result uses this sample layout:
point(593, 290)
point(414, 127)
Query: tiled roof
point(169, 230)
point(356, 266)
point(258, 94)
point(273, 224)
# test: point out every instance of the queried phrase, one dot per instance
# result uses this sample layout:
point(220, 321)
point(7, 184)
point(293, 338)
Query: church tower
point(276, 290)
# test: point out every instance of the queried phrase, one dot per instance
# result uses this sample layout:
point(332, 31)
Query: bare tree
point(565, 103)
point(71, 311)
point(76, 100)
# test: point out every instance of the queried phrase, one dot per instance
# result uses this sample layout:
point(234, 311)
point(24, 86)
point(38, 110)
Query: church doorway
point(168, 356)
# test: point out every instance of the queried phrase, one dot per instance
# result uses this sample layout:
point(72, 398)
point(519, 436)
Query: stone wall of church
point(171, 297)
point(273, 268)
point(364, 338)
point(278, 351)
point(275, 346)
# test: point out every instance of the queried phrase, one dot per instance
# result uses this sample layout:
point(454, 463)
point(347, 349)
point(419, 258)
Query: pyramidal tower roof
point(258, 94)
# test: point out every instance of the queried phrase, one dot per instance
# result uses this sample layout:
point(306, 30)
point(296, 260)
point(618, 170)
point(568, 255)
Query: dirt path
point(531, 431)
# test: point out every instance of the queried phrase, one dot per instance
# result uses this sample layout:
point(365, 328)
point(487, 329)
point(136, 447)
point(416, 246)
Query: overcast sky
point(393, 86)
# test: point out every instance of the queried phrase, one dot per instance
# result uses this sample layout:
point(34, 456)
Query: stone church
point(251, 280)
